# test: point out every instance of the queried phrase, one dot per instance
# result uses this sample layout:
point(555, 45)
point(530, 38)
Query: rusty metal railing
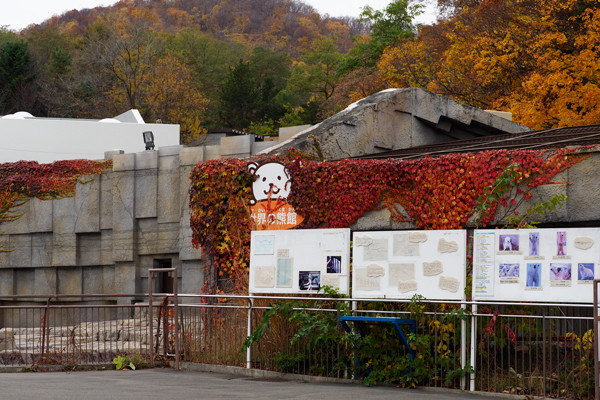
point(164, 314)
point(526, 349)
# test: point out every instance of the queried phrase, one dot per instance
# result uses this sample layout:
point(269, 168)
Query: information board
point(299, 260)
point(539, 265)
point(400, 264)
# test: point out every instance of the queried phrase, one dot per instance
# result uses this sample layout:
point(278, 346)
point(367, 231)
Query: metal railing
point(527, 349)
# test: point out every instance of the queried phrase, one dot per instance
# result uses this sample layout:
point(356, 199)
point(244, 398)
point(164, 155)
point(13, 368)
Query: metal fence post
point(596, 355)
point(176, 317)
point(249, 349)
point(544, 352)
point(473, 346)
point(463, 348)
point(150, 317)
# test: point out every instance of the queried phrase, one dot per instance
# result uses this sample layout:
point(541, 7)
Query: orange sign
point(274, 215)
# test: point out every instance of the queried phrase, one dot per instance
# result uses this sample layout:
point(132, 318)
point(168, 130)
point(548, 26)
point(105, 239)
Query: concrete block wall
point(104, 239)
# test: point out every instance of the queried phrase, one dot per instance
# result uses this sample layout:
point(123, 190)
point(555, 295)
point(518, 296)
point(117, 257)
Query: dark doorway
point(163, 283)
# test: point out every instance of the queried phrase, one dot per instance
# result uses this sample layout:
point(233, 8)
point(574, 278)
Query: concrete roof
point(396, 119)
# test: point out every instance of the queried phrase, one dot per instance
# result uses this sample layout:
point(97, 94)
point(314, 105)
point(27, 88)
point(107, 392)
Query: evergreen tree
point(240, 97)
point(17, 73)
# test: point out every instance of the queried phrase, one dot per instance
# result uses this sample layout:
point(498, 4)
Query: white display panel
point(400, 264)
point(299, 260)
point(539, 265)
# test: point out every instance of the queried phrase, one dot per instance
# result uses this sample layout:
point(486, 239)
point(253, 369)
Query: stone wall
point(105, 238)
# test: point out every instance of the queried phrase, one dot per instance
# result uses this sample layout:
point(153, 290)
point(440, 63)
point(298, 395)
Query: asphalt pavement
point(165, 383)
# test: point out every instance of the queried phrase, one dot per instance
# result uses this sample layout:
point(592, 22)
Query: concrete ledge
point(55, 368)
point(257, 373)
point(169, 151)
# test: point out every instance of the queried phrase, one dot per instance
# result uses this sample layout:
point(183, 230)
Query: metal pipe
point(151, 323)
point(596, 347)
point(473, 346)
point(249, 348)
point(463, 349)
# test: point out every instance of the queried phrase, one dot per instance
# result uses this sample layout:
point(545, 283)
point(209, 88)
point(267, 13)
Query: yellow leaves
point(171, 96)
point(178, 17)
point(337, 28)
point(541, 62)
point(241, 21)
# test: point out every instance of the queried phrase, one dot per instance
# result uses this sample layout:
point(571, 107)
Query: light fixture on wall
point(148, 140)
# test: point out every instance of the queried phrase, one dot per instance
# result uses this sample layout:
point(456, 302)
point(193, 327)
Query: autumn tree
point(537, 59)
point(125, 50)
point(171, 98)
point(99, 62)
point(563, 87)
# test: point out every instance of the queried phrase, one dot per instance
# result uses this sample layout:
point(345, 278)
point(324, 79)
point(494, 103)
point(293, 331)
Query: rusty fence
point(526, 349)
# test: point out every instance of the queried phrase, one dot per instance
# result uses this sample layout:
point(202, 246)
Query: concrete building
point(136, 216)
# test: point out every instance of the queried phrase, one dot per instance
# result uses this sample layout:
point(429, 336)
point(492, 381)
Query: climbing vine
point(447, 192)
point(23, 179)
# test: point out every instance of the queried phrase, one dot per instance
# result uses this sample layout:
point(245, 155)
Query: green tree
point(253, 90)
point(271, 71)
point(60, 61)
point(317, 75)
point(17, 78)
point(239, 98)
point(56, 56)
point(6, 34)
point(208, 59)
point(387, 28)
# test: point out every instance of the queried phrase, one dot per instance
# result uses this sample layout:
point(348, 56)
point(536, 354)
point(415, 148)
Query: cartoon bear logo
point(272, 181)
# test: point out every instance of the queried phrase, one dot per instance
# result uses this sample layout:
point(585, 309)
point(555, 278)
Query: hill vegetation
point(260, 64)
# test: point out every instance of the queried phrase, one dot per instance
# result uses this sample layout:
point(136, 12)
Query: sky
point(18, 14)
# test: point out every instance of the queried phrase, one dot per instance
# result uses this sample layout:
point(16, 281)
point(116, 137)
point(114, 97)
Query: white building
point(25, 137)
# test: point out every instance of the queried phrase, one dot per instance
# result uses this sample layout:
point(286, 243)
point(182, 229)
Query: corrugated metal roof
point(545, 139)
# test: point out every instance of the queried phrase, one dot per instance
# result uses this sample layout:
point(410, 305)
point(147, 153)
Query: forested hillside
point(260, 64)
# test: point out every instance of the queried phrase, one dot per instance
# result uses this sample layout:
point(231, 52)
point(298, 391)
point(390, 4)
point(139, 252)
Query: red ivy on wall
point(432, 193)
point(23, 179)
point(435, 193)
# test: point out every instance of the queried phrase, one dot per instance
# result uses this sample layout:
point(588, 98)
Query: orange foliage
point(178, 18)
point(172, 97)
point(538, 59)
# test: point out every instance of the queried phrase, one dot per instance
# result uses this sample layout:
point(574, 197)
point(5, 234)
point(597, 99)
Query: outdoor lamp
point(149, 140)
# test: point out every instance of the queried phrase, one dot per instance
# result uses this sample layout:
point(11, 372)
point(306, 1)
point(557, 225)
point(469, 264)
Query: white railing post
point(473, 345)
point(249, 348)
